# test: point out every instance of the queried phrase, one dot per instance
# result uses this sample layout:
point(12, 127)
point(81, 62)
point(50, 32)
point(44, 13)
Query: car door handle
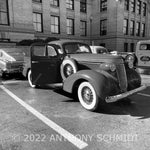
point(34, 62)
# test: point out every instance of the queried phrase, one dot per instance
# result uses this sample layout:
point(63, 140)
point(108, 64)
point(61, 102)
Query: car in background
point(93, 79)
point(143, 56)
point(11, 61)
point(98, 49)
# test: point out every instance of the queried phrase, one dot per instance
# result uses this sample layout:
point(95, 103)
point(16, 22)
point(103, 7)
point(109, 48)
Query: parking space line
point(147, 95)
point(67, 135)
point(11, 82)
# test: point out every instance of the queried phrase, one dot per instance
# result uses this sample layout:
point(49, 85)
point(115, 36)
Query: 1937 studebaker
point(94, 78)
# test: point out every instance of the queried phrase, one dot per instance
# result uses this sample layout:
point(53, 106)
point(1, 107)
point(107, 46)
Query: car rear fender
point(101, 83)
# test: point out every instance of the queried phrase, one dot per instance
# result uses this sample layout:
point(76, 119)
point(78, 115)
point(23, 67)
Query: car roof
point(60, 42)
point(144, 41)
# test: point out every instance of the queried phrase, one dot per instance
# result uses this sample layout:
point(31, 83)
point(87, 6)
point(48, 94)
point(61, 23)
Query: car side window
point(51, 51)
point(39, 50)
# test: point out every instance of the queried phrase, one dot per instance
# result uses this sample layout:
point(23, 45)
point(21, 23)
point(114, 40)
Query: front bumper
point(115, 98)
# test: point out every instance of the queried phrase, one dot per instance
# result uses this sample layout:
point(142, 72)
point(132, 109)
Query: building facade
point(115, 24)
point(122, 23)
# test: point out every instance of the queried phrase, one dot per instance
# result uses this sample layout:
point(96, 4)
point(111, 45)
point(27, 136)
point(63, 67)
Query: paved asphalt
point(46, 119)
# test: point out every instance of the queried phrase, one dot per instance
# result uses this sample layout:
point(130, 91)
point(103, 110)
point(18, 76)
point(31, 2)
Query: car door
point(45, 65)
point(143, 55)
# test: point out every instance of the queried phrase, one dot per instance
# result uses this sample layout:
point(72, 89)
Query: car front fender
point(103, 85)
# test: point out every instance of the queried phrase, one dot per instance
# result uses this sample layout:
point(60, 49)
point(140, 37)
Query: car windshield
point(73, 48)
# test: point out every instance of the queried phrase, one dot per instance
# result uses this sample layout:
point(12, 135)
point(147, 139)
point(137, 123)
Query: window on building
point(132, 27)
point(39, 1)
point(143, 30)
point(144, 9)
point(83, 28)
point(126, 5)
point(139, 7)
point(55, 2)
point(70, 26)
point(125, 27)
point(132, 47)
point(103, 27)
point(4, 17)
point(83, 6)
point(138, 29)
point(37, 22)
point(70, 4)
point(125, 47)
point(55, 24)
point(132, 6)
point(103, 5)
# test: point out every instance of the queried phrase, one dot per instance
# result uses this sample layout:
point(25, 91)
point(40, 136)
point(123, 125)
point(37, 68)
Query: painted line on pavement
point(11, 82)
point(67, 135)
point(142, 94)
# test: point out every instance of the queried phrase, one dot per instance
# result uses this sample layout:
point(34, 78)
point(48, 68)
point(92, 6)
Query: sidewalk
point(145, 79)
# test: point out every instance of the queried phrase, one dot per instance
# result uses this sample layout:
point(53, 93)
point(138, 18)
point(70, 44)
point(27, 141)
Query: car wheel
point(68, 67)
point(30, 79)
point(88, 96)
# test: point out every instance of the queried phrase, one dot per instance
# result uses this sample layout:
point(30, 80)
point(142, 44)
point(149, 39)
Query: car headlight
point(130, 58)
point(107, 66)
point(112, 67)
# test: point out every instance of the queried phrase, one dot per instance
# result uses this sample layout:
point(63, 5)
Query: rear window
point(145, 47)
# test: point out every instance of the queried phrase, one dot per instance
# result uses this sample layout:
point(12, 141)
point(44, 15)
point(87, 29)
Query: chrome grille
point(122, 78)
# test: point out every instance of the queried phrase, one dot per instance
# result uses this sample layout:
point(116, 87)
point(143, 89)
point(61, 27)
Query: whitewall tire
point(88, 96)
point(68, 67)
point(30, 79)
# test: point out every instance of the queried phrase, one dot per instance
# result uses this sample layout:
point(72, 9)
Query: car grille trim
point(122, 77)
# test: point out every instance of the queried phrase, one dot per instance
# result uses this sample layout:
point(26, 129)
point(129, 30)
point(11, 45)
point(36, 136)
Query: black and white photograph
point(74, 74)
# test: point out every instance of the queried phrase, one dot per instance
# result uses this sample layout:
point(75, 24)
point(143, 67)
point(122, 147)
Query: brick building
point(116, 24)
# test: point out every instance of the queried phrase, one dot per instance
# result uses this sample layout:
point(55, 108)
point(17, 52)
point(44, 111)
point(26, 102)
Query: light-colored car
point(11, 61)
point(98, 50)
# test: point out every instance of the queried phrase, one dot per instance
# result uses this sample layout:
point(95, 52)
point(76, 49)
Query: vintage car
point(142, 54)
point(11, 61)
point(94, 78)
point(98, 49)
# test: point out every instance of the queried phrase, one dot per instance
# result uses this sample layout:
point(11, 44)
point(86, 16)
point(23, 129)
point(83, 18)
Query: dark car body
point(11, 61)
point(72, 64)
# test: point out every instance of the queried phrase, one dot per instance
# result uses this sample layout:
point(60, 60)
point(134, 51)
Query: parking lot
point(50, 119)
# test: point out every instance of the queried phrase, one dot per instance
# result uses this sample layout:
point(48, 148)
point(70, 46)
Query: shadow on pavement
point(137, 106)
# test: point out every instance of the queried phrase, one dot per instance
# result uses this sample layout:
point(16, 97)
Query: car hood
point(96, 58)
point(17, 58)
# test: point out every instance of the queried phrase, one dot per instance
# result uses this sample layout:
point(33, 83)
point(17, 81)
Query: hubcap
point(68, 70)
point(87, 95)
